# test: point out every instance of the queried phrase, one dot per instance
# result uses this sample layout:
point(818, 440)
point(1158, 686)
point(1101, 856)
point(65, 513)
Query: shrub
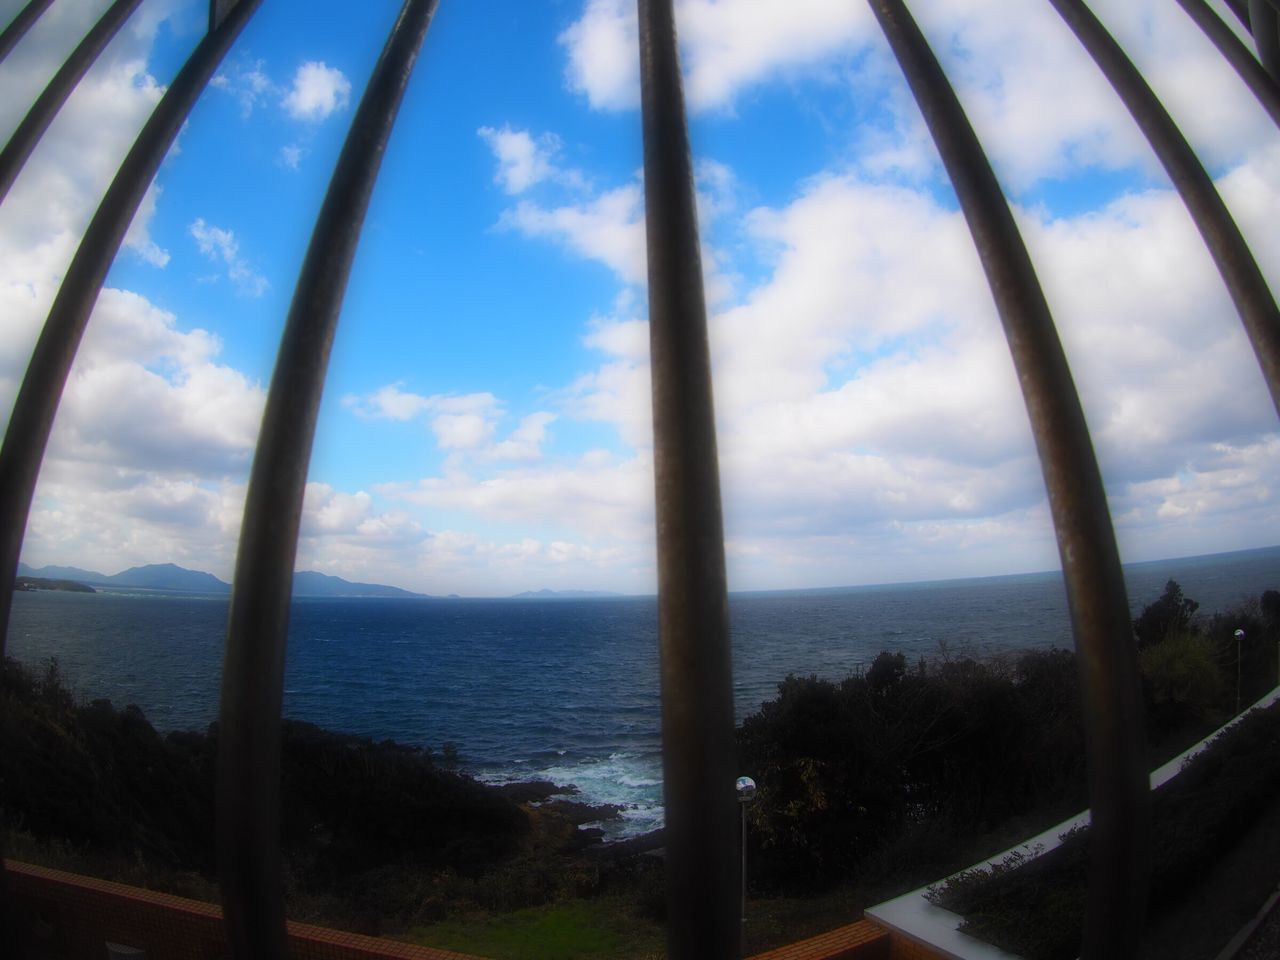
point(1184, 677)
point(1166, 617)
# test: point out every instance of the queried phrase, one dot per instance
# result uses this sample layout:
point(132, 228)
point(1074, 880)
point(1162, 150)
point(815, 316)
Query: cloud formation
point(317, 91)
point(870, 423)
point(220, 246)
point(522, 160)
point(462, 424)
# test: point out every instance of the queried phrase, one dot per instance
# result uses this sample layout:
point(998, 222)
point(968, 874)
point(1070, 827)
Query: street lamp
point(746, 788)
point(1239, 640)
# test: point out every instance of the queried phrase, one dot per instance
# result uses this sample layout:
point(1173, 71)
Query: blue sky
point(485, 423)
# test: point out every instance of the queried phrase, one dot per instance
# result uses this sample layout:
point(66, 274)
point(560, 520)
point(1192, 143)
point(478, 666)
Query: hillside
point(171, 577)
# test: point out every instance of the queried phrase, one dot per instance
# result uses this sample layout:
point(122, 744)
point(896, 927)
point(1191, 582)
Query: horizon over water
point(558, 689)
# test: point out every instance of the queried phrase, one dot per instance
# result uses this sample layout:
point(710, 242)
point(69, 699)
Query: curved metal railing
point(697, 703)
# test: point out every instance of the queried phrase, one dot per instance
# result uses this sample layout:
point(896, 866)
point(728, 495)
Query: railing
point(697, 709)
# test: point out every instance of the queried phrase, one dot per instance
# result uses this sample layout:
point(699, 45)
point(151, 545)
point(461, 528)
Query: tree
point(1169, 615)
point(1270, 606)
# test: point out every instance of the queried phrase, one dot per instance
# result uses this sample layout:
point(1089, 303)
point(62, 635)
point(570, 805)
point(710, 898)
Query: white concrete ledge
point(911, 915)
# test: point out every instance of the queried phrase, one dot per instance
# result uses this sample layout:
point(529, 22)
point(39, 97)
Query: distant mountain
point(564, 594)
point(62, 573)
point(309, 583)
point(168, 576)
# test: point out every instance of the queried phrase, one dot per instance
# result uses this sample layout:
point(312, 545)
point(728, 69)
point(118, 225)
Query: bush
point(1184, 678)
point(103, 778)
point(845, 771)
point(1166, 617)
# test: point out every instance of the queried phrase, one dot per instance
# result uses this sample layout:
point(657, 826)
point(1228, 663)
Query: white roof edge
point(913, 916)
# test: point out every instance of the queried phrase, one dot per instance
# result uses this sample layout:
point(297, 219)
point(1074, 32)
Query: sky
point(486, 427)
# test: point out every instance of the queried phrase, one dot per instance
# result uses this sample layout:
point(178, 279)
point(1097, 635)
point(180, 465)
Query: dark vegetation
point(1036, 909)
point(375, 835)
point(45, 583)
point(867, 787)
point(882, 774)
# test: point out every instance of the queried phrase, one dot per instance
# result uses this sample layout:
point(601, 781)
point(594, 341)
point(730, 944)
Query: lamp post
point(1239, 641)
point(746, 788)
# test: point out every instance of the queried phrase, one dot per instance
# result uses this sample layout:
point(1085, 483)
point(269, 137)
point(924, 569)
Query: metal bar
point(36, 122)
point(1247, 286)
point(1241, 9)
point(219, 10)
point(1241, 58)
point(1265, 27)
point(248, 790)
point(37, 400)
point(20, 24)
point(34, 408)
point(697, 691)
point(1113, 713)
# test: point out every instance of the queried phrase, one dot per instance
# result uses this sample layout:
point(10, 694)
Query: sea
point(557, 689)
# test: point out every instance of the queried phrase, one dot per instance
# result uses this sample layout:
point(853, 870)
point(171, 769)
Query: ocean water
point(565, 690)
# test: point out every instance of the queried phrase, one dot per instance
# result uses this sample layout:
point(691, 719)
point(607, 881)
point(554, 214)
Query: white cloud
point(1006, 61)
point(608, 229)
point(138, 238)
point(145, 395)
point(871, 425)
point(461, 431)
point(462, 423)
point(526, 440)
point(389, 402)
point(317, 91)
point(865, 393)
point(603, 60)
point(248, 83)
point(725, 46)
point(601, 498)
point(291, 155)
point(522, 160)
point(220, 245)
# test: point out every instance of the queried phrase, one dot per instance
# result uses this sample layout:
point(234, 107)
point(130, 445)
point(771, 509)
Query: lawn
point(571, 930)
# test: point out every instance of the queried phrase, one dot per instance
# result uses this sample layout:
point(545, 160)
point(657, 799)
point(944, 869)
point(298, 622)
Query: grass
point(570, 930)
point(609, 926)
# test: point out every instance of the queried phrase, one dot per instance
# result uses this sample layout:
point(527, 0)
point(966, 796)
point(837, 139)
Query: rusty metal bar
point(703, 870)
point(248, 790)
point(19, 25)
point(38, 397)
point(1265, 27)
point(1245, 282)
point(36, 122)
point(1113, 712)
point(1241, 58)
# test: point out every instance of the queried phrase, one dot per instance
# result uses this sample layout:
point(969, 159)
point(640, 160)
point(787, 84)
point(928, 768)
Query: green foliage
point(845, 771)
point(1167, 616)
point(1269, 607)
point(1256, 652)
point(565, 931)
point(1184, 678)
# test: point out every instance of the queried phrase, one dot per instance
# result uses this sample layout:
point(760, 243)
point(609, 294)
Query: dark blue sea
point(565, 690)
